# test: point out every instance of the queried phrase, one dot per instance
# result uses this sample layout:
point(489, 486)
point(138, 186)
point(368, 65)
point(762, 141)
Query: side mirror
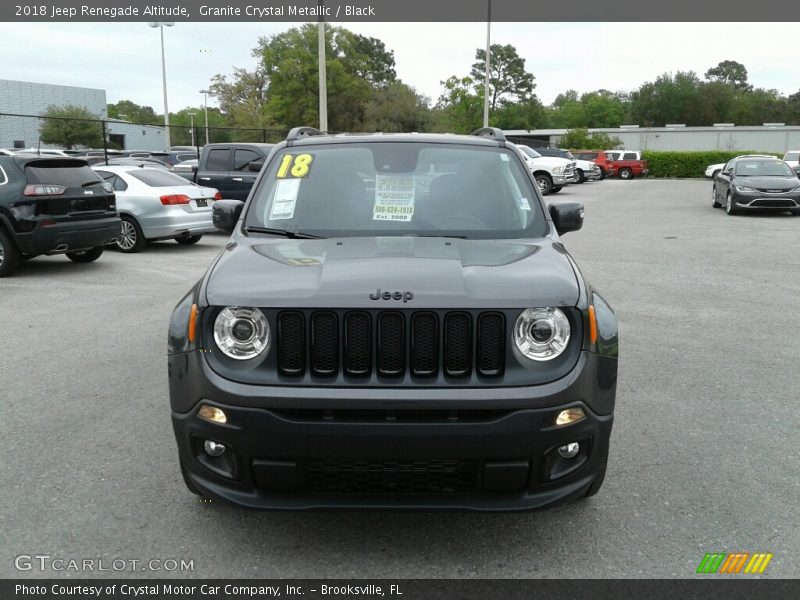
point(256, 165)
point(226, 213)
point(567, 216)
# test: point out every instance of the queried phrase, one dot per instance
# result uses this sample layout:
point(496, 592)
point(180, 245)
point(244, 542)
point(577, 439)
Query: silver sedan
point(155, 204)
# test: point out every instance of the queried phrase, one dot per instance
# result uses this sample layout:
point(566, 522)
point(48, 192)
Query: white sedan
point(155, 204)
point(712, 170)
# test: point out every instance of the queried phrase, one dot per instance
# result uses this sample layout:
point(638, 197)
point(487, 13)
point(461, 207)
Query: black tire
point(581, 176)
point(10, 258)
point(796, 212)
point(625, 173)
point(600, 477)
point(131, 239)
point(714, 201)
point(86, 256)
point(545, 183)
point(557, 189)
point(602, 174)
point(188, 240)
point(729, 207)
point(186, 480)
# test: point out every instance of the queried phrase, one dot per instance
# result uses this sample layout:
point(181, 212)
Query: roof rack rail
point(491, 132)
point(298, 133)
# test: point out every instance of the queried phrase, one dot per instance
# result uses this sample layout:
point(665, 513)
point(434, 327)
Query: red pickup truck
point(627, 164)
point(599, 158)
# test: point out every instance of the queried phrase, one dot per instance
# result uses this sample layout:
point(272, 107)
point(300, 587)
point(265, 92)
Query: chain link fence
point(20, 132)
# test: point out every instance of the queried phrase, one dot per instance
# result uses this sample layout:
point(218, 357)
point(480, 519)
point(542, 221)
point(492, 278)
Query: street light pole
point(160, 25)
point(488, 59)
point(191, 127)
point(205, 107)
point(323, 82)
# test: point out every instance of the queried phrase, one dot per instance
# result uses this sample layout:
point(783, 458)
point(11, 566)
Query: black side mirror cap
point(567, 216)
point(226, 213)
point(256, 165)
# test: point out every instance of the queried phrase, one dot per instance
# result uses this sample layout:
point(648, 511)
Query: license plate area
point(201, 202)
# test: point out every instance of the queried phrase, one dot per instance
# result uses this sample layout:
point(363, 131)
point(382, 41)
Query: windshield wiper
point(88, 183)
point(285, 233)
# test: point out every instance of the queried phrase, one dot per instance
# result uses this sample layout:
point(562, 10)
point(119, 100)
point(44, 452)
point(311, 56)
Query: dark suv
point(53, 205)
point(395, 323)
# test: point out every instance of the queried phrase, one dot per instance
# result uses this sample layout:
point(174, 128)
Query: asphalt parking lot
point(704, 453)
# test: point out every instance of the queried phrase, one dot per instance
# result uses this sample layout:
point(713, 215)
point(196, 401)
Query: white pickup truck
point(551, 173)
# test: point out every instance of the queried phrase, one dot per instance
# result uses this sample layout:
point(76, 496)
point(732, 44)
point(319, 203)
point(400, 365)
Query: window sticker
point(285, 199)
point(524, 204)
point(504, 157)
point(295, 166)
point(394, 198)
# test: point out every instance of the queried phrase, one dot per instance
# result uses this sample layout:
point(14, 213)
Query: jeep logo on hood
point(404, 295)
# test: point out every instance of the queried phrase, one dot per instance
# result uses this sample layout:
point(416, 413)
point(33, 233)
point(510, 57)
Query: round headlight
point(241, 333)
point(541, 333)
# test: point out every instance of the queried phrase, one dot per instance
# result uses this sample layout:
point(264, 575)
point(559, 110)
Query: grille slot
point(291, 343)
point(391, 344)
point(324, 343)
point(491, 344)
point(382, 477)
point(458, 344)
point(357, 343)
point(424, 344)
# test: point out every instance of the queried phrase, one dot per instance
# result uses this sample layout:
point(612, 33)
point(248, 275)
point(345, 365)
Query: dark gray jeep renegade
point(394, 323)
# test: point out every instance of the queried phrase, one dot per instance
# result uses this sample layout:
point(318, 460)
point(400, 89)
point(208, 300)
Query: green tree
point(395, 108)
point(130, 111)
point(731, 73)
point(760, 106)
point(242, 97)
point(460, 108)
point(602, 108)
point(520, 115)
point(668, 99)
point(578, 139)
point(71, 126)
point(508, 79)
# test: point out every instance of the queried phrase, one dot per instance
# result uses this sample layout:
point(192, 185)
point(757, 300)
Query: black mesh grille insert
point(324, 343)
point(491, 344)
point(424, 344)
point(357, 343)
point(390, 477)
point(391, 343)
point(458, 344)
point(291, 343)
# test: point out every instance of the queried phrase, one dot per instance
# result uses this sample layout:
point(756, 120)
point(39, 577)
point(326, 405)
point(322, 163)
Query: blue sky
point(124, 58)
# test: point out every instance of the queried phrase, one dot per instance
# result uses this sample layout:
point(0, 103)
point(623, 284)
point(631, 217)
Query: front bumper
point(68, 236)
point(561, 179)
point(766, 201)
point(476, 449)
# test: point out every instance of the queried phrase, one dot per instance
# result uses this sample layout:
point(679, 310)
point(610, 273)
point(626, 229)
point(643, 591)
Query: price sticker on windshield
point(296, 166)
point(394, 198)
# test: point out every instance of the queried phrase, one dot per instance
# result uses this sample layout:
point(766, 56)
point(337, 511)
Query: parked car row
point(60, 205)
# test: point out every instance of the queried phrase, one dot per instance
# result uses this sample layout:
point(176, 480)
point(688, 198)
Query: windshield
point(763, 168)
point(158, 178)
point(530, 151)
point(792, 156)
point(389, 188)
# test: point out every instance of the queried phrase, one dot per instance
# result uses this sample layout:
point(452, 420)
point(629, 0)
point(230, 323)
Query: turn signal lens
point(570, 415)
point(592, 325)
point(192, 333)
point(44, 190)
point(212, 413)
point(218, 196)
point(173, 199)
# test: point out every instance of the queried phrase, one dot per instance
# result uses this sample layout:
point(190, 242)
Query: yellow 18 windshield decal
point(294, 165)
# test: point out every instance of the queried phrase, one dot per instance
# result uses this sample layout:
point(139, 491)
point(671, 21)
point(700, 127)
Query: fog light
point(217, 449)
point(566, 451)
point(213, 414)
point(571, 415)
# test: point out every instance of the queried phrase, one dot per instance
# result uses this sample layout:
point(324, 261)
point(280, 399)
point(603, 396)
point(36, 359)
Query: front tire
point(729, 206)
point(625, 173)
point(714, 202)
point(188, 240)
point(86, 256)
point(557, 189)
point(131, 239)
point(581, 176)
point(545, 183)
point(10, 258)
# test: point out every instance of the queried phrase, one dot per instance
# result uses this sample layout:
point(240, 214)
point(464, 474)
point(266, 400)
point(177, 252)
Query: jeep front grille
point(391, 343)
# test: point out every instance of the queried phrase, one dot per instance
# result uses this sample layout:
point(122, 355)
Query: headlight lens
point(241, 333)
point(744, 188)
point(542, 333)
point(558, 169)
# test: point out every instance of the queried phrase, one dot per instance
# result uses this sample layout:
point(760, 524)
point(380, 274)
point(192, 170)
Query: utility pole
point(205, 108)
point(488, 59)
point(160, 25)
point(323, 83)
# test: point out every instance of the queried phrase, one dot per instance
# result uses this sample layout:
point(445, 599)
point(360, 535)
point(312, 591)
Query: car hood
point(586, 165)
point(769, 183)
point(439, 272)
point(550, 161)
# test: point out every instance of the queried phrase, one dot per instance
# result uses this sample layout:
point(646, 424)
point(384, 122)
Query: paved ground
point(705, 450)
